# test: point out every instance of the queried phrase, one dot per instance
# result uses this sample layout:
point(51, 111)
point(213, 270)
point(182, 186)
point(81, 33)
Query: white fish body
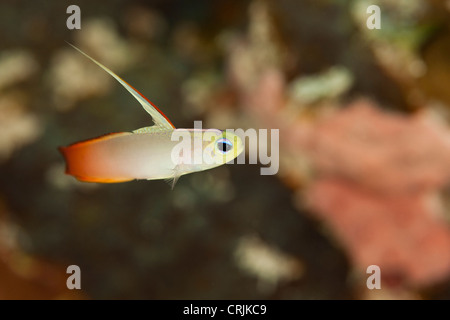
point(146, 153)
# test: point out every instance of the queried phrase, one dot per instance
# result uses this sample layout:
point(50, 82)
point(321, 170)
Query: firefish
point(150, 153)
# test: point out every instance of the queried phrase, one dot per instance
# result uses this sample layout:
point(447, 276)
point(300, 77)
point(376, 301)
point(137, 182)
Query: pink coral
point(378, 172)
point(384, 151)
point(403, 235)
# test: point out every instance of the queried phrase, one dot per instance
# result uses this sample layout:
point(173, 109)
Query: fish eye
point(224, 145)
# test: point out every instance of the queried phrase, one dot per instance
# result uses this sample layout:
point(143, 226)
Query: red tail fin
point(82, 163)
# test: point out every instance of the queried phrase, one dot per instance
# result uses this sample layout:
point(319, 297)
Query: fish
point(160, 151)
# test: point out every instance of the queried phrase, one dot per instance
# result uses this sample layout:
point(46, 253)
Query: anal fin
point(102, 180)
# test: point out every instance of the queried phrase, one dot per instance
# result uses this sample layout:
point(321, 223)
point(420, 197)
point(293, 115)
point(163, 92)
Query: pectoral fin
point(176, 175)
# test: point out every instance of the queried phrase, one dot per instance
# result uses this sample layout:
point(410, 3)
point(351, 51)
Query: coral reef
point(364, 146)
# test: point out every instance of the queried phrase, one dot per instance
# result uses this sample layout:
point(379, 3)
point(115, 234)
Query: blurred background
point(364, 149)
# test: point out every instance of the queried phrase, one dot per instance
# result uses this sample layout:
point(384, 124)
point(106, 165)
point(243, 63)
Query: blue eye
point(224, 145)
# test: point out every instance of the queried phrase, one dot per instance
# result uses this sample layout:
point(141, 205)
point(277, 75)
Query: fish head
point(221, 146)
point(202, 149)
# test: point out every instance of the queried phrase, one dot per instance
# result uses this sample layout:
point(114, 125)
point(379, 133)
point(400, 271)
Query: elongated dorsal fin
point(158, 117)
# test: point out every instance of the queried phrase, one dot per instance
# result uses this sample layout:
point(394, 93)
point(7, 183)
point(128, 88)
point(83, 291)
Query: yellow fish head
point(220, 147)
